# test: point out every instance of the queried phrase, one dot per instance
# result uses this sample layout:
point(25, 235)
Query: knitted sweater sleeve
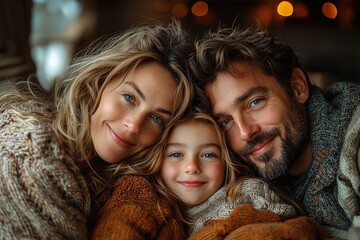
point(259, 193)
point(135, 211)
point(42, 194)
point(245, 222)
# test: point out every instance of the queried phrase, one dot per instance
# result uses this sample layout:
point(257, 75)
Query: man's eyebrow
point(249, 93)
point(142, 96)
point(137, 89)
point(238, 100)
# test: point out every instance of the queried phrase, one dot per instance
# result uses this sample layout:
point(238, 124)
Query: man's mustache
point(259, 139)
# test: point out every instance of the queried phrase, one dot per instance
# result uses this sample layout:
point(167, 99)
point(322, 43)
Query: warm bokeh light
point(329, 10)
point(264, 14)
point(200, 8)
point(347, 16)
point(285, 9)
point(162, 6)
point(208, 20)
point(301, 10)
point(180, 10)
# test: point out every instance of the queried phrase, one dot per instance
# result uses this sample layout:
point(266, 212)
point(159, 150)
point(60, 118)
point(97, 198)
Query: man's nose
point(248, 128)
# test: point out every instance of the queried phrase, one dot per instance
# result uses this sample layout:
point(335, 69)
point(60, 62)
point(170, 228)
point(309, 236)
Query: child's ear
point(299, 85)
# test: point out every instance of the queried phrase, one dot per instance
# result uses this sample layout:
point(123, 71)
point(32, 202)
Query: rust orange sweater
point(135, 211)
point(247, 223)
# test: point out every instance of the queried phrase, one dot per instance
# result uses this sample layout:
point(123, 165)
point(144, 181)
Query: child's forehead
point(194, 129)
point(194, 123)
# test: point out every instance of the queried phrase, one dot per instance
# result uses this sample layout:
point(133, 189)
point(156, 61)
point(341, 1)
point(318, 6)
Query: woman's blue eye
point(129, 98)
point(157, 119)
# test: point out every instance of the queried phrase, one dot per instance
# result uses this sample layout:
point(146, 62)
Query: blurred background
point(325, 34)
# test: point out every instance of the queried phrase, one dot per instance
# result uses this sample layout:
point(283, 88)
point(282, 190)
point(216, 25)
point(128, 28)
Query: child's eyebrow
point(174, 144)
point(211, 145)
point(202, 145)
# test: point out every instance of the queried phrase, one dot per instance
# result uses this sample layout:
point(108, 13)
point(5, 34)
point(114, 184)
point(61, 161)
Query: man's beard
point(296, 132)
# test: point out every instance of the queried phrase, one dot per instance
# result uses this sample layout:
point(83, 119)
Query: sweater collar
point(330, 113)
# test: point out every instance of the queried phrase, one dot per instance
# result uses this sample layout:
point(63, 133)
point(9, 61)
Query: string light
point(200, 8)
point(180, 10)
point(329, 10)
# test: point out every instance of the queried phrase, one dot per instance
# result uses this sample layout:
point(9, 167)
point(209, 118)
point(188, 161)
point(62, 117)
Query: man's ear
point(299, 85)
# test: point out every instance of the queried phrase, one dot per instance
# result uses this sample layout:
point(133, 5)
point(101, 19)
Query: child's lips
point(192, 183)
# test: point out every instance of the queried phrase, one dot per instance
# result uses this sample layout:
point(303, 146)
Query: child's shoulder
point(251, 182)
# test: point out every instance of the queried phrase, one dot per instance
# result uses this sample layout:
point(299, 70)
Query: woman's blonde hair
point(77, 94)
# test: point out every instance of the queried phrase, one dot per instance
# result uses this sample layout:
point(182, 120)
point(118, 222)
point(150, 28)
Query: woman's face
point(132, 115)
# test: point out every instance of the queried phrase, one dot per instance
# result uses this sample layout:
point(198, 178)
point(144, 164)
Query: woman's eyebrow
point(142, 96)
point(137, 89)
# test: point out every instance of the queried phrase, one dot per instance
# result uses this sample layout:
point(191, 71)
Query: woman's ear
point(299, 85)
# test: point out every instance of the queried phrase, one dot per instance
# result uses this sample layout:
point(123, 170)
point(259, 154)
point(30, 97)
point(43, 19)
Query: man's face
point(266, 127)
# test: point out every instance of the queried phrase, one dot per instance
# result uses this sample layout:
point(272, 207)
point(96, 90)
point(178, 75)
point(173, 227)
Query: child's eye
point(209, 155)
point(175, 155)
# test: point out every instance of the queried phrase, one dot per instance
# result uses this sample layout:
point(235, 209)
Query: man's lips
point(192, 184)
point(261, 148)
point(121, 141)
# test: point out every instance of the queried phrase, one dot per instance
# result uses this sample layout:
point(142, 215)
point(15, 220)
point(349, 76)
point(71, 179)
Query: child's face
point(193, 167)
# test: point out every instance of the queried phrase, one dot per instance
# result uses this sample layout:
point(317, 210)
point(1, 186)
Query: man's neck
point(302, 163)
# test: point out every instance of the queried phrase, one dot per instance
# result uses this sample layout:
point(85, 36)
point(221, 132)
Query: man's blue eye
point(225, 122)
point(255, 102)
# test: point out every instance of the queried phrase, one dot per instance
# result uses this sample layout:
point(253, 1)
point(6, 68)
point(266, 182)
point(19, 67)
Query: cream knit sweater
point(42, 194)
point(253, 191)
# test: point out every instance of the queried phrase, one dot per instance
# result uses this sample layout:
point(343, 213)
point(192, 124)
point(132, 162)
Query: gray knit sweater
point(42, 194)
point(252, 191)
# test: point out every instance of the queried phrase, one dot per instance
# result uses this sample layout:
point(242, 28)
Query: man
point(282, 125)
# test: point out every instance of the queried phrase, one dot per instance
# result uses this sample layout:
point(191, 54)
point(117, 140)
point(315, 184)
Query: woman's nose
point(133, 122)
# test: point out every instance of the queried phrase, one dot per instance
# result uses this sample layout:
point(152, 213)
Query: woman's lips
point(119, 140)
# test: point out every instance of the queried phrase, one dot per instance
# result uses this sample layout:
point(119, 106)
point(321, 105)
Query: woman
point(59, 149)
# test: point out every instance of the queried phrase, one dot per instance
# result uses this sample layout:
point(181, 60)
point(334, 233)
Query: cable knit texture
point(42, 194)
point(134, 211)
point(245, 222)
point(252, 191)
point(330, 114)
point(348, 178)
